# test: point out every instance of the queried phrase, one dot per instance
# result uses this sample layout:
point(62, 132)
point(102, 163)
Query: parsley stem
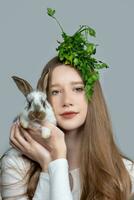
point(59, 24)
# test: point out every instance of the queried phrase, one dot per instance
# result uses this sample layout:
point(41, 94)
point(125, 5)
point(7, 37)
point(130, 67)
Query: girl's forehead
point(65, 73)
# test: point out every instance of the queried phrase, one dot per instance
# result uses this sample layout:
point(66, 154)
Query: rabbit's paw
point(45, 132)
point(24, 123)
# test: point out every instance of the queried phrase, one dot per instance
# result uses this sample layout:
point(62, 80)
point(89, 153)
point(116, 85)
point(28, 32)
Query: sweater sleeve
point(13, 179)
point(59, 180)
point(51, 186)
point(42, 189)
point(130, 168)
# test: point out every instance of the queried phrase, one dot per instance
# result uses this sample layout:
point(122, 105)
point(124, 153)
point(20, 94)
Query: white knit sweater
point(54, 185)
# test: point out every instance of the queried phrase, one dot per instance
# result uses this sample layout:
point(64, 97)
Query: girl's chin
point(70, 124)
point(68, 127)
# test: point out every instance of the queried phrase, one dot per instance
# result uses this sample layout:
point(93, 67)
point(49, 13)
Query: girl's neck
point(73, 141)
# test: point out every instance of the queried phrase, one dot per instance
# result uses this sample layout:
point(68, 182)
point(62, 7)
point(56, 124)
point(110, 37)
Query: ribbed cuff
point(44, 175)
point(55, 164)
point(59, 180)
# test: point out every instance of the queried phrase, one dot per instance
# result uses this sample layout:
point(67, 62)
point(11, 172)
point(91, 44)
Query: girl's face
point(66, 94)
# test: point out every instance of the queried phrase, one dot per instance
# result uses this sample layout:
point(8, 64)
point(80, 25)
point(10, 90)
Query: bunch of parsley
point(77, 51)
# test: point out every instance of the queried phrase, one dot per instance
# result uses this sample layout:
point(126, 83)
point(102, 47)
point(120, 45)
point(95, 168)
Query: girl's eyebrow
point(72, 83)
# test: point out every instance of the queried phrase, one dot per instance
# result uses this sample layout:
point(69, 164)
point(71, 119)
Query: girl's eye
point(54, 92)
point(79, 89)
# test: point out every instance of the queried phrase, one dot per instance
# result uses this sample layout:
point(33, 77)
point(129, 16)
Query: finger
point(37, 129)
point(17, 145)
point(31, 140)
point(14, 146)
point(36, 135)
point(33, 137)
point(22, 152)
point(20, 141)
point(12, 127)
point(17, 137)
point(12, 132)
point(39, 139)
point(27, 136)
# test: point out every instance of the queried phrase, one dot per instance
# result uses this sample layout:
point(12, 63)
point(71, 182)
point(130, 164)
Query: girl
point(80, 161)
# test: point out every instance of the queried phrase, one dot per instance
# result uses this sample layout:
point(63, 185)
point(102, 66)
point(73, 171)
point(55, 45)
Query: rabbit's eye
point(43, 103)
point(29, 104)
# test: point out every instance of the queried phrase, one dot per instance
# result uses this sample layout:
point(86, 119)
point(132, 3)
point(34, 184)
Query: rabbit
point(37, 109)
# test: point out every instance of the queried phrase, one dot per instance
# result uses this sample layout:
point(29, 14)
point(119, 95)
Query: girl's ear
point(42, 82)
point(23, 85)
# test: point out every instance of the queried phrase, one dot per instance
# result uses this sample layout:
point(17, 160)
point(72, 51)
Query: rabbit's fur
point(37, 109)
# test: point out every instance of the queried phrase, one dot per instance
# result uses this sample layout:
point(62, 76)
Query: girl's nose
point(67, 100)
point(67, 104)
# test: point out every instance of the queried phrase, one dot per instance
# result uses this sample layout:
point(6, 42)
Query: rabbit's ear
point(23, 85)
point(42, 83)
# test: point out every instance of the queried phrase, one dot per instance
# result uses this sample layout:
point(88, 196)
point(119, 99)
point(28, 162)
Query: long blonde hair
point(103, 175)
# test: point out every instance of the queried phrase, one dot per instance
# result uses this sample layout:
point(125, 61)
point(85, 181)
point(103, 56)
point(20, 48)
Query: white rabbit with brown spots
point(37, 109)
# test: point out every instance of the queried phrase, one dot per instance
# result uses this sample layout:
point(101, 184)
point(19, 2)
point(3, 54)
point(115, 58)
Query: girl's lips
point(69, 115)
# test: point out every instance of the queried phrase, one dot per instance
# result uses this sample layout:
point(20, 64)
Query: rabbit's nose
point(36, 115)
point(36, 106)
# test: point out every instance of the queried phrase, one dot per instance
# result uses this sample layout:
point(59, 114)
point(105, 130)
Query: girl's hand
point(55, 143)
point(31, 144)
point(21, 140)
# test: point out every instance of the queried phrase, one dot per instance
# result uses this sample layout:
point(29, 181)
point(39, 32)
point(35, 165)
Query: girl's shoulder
point(13, 159)
point(129, 165)
point(130, 168)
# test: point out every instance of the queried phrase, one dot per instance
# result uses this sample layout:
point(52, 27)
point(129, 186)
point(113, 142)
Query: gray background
point(28, 40)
